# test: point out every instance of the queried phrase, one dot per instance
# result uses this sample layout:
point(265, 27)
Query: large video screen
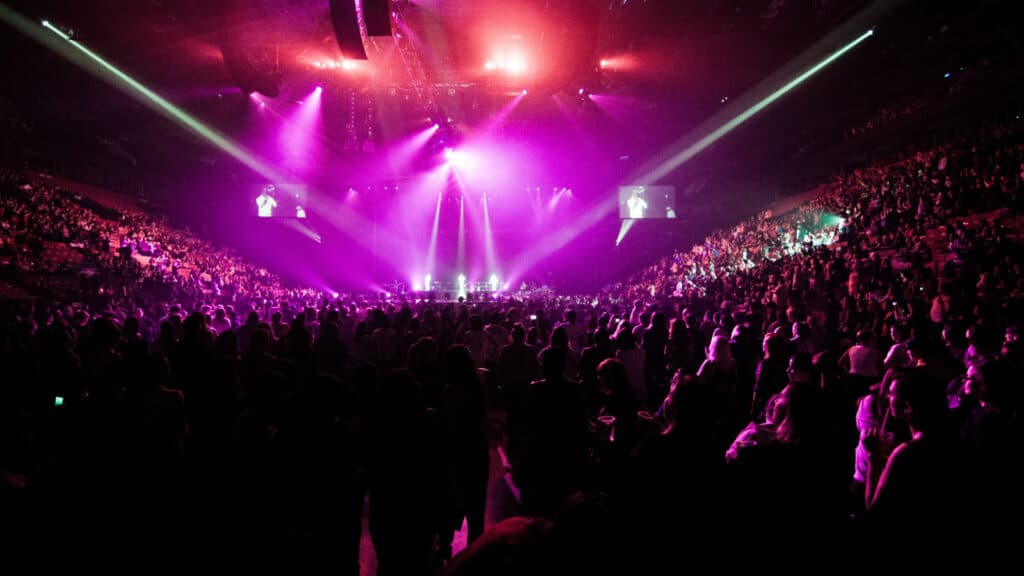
point(641, 202)
point(280, 202)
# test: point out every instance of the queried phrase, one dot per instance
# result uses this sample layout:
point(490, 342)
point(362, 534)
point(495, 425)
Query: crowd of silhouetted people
point(838, 379)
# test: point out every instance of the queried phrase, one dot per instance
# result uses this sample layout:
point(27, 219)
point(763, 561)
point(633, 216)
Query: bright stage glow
point(512, 64)
point(457, 158)
point(517, 65)
point(493, 282)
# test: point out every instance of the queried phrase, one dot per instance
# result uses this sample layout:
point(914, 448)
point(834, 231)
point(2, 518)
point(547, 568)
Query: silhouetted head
point(518, 333)
point(553, 362)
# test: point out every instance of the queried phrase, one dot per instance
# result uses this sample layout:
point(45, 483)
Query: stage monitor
point(277, 202)
point(639, 202)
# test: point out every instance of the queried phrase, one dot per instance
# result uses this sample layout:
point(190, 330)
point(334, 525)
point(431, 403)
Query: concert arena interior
point(493, 287)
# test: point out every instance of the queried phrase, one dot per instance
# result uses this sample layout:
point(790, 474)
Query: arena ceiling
point(677, 61)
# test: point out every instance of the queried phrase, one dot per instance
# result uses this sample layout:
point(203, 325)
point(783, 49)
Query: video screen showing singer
point(642, 202)
point(265, 202)
point(637, 204)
